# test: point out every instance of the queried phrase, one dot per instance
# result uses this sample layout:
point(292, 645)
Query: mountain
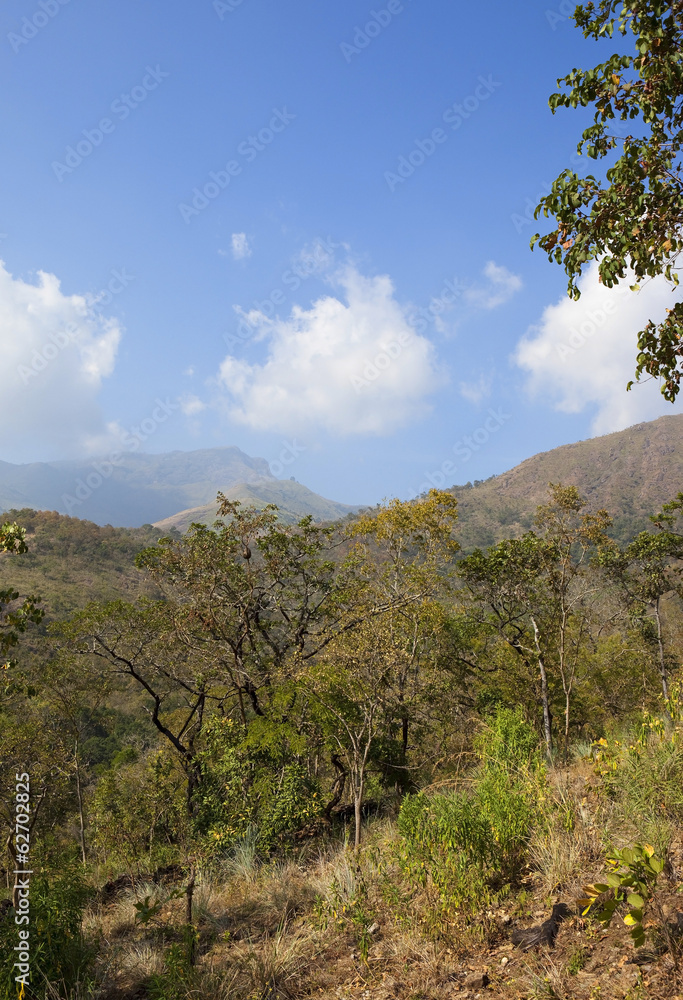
point(138, 489)
point(292, 499)
point(631, 473)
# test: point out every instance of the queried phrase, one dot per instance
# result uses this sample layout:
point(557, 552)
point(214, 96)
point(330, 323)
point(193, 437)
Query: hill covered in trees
point(630, 473)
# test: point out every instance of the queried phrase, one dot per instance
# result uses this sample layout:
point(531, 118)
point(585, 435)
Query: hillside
point(139, 489)
point(71, 562)
point(292, 499)
point(630, 473)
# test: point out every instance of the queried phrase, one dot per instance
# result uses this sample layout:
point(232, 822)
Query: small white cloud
point(240, 246)
point(189, 371)
point(191, 405)
point(502, 286)
point(474, 392)
point(582, 353)
point(351, 367)
point(56, 352)
point(315, 258)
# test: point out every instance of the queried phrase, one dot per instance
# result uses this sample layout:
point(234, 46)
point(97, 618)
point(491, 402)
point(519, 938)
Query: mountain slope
point(292, 499)
point(70, 562)
point(630, 473)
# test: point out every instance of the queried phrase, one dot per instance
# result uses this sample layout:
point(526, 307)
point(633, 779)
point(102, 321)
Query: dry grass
point(563, 860)
point(565, 852)
point(262, 932)
point(276, 965)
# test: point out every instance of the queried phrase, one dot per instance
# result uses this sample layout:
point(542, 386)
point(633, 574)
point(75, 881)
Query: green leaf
point(635, 901)
point(614, 880)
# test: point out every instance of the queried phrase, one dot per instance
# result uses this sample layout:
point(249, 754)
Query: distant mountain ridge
point(630, 473)
point(138, 489)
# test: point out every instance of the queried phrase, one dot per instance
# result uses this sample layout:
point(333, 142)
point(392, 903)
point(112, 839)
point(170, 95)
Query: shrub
point(471, 844)
point(643, 776)
point(59, 953)
point(253, 781)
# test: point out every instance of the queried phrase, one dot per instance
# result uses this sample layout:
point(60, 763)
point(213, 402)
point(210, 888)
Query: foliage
point(632, 877)
point(632, 223)
point(470, 844)
point(646, 571)
point(346, 905)
point(533, 591)
point(254, 780)
point(14, 617)
point(643, 776)
point(60, 954)
point(137, 811)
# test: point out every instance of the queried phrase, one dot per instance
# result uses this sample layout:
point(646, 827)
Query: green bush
point(59, 953)
point(254, 781)
point(472, 844)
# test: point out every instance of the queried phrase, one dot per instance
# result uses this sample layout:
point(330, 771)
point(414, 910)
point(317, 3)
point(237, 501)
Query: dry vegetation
point(334, 924)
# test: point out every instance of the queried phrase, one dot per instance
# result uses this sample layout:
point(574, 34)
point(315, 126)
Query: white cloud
point(502, 286)
point(583, 353)
point(191, 405)
point(351, 367)
point(240, 246)
point(55, 354)
point(474, 392)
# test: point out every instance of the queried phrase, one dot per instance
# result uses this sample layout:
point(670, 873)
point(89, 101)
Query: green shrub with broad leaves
point(631, 880)
point(471, 845)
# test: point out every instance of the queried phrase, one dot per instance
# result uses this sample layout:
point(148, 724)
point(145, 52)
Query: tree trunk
point(662, 661)
point(81, 818)
point(547, 726)
point(191, 943)
point(404, 735)
point(357, 806)
point(338, 786)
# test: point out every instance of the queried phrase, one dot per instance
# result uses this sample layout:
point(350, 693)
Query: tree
point(646, 571)
point(403, 552)
point(352, 687)
point(630, 222)
point(534, 594)
point(368, 679)
point(247, 606)
point(252, 596)
point(72, 696)
point(138, 643)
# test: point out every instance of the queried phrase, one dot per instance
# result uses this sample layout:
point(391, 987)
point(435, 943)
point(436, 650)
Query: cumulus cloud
point(240, 246)
point(582, 353)
point(502, 285)
point(55, 352)
point(351, 367)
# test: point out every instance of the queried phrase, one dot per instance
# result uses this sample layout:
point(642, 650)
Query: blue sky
point(303, 227)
